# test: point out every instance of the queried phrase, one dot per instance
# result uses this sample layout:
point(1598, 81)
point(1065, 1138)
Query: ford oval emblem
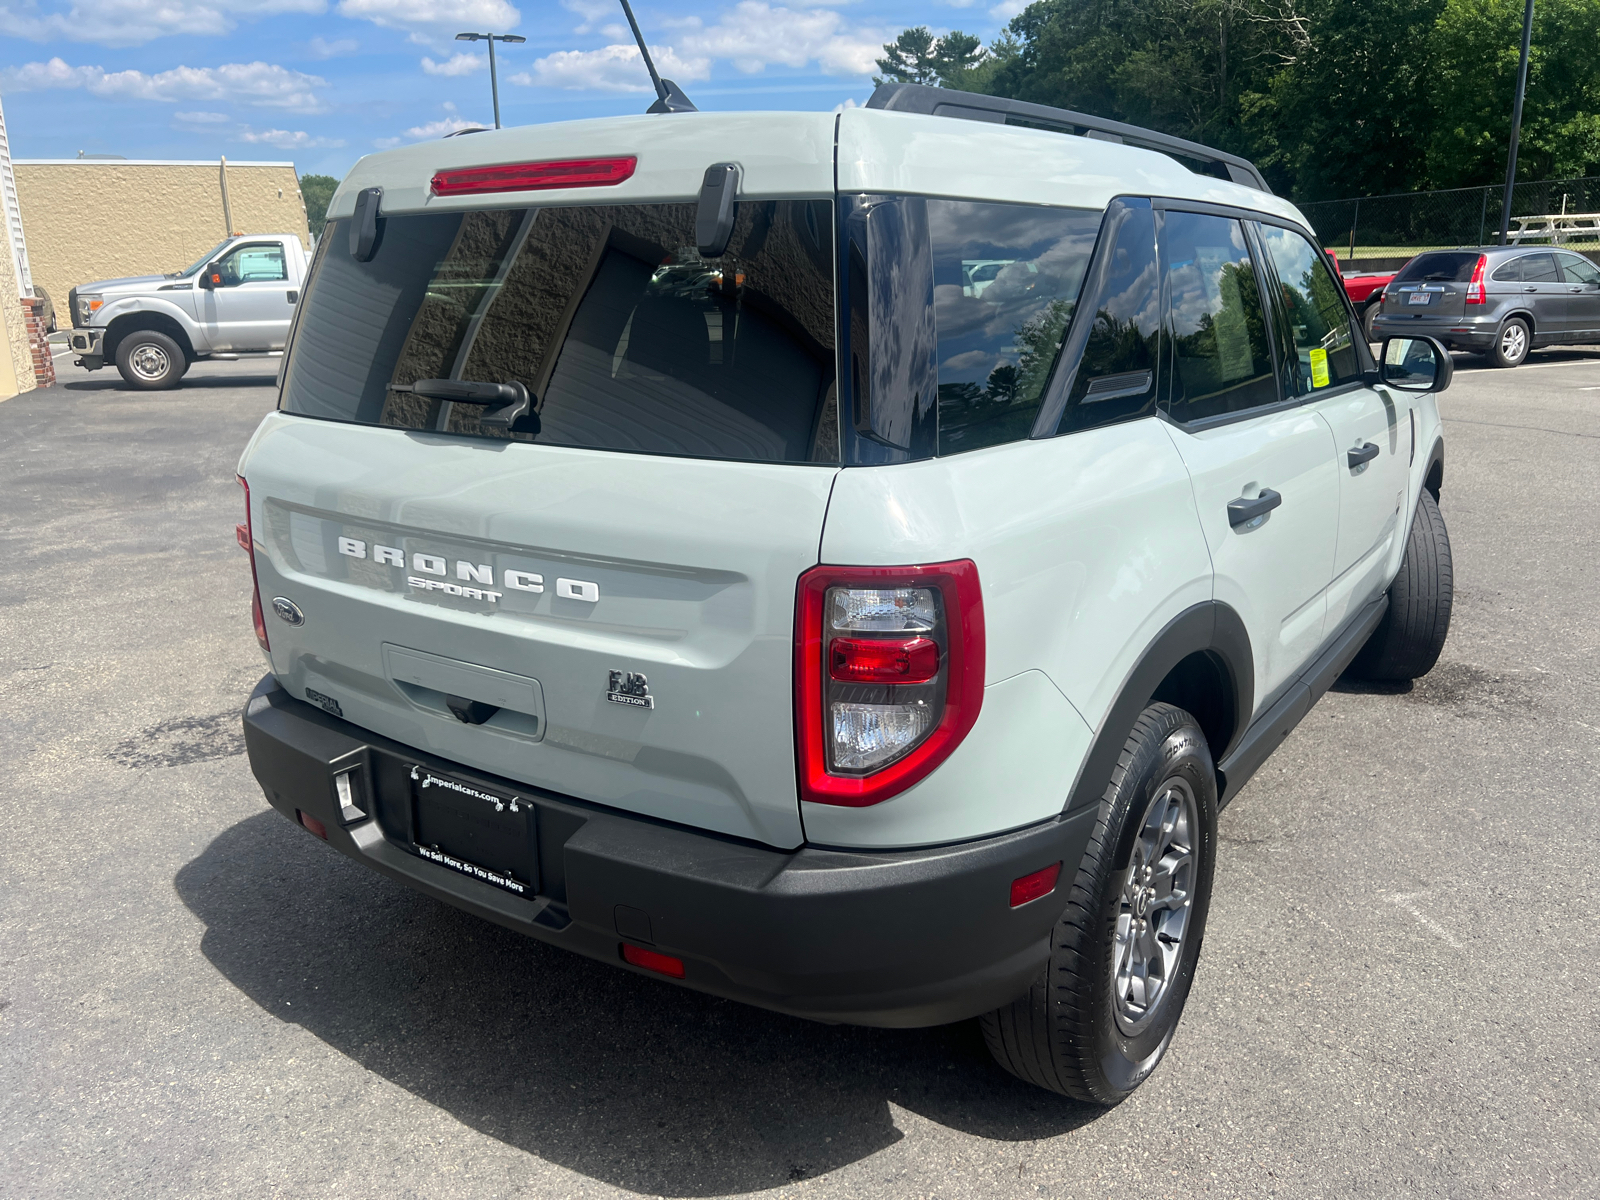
point(288, 610)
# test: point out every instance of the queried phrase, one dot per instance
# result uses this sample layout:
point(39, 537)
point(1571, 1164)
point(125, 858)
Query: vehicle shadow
point(1478, 362)
point(187, 383)
point(637, 1083)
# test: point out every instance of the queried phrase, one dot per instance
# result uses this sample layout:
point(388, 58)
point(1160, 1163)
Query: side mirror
point(1415, 364)
point(211, 277)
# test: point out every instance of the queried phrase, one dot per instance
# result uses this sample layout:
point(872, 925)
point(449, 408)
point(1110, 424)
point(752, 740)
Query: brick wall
point(44, 367)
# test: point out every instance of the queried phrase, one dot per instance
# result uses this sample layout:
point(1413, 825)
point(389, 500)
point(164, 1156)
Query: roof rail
point(970, 106)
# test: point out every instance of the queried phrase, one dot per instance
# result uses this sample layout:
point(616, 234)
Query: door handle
point(1361, 454)
point(1530, 288)
point(294, 295)
point(1575, 290)
point(1247, 508)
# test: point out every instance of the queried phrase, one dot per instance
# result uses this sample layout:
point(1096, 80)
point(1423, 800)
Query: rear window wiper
point(504, 403)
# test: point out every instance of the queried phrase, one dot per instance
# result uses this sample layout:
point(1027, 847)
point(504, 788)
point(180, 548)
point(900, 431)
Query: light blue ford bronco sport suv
point(838, 562)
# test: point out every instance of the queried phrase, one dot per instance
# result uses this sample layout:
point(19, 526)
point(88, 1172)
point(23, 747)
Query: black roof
point(970, 106)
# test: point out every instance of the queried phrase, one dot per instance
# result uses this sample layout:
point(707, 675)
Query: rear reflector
point(883, 660)
point(652, 960)
point(534, 177)
point(1030, 887)
point(321, 830)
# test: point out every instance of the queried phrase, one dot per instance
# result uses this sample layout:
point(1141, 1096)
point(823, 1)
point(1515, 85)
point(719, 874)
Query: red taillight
point(652, 960)
point(312, 824)
point(890, 660)
point(1030, 887)
point(534, 177)
point(245, 536)
point(888, 676)
point(1475, 291)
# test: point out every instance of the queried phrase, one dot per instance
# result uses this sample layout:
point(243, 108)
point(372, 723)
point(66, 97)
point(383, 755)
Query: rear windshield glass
point(1445, 266)
point(625, 338)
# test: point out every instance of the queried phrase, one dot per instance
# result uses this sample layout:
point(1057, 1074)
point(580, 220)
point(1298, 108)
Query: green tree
point(316, 191)
point(916, 56)
point(1474, 50)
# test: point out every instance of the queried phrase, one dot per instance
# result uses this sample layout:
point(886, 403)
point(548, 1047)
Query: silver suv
point(1499, 301)
point(839, 562)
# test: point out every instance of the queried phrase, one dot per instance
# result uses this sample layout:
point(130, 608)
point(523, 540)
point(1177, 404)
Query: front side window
point(1221, 359)
point(261, 263)
point(1578, 270)
point(1318, 320)
point(623, 336)
point(1006, 281)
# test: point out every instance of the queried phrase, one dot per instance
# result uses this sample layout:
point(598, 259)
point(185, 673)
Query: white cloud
point(134, 22)
point(1007, 9)
point(449, 123)
point(387, 143)
point(611, 69)
point(592, 11)
point(283, 139)
point(201, 118)
point(456, 64)
point(320, 48)
point(754, 34)
point(433, 22)
point(265, 85)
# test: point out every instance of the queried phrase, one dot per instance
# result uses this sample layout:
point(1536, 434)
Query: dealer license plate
point(1420, 298)
point(481, 832)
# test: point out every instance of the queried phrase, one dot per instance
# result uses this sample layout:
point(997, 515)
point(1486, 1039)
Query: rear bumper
point(1457, 333)
point(891, 938)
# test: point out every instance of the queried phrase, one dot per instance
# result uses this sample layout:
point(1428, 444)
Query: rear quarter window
point(626, 338)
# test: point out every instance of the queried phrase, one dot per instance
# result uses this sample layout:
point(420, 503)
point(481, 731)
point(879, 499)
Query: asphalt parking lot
point(1397, 995)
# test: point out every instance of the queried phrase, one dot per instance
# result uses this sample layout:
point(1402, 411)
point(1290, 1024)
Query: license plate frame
point(485, 833)
point(1420, 298)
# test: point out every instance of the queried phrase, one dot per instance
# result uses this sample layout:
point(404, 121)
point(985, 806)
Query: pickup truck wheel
point(1123, 953)
point(1511, 343)
point(149, 360)
point(1407, 642)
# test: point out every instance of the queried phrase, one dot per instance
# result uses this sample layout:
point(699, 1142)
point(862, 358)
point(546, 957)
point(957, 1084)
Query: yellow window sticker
point(1319, 368)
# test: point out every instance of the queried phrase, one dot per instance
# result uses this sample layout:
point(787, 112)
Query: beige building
point(90, 219)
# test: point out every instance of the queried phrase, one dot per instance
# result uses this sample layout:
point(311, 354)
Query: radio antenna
point(669, 96)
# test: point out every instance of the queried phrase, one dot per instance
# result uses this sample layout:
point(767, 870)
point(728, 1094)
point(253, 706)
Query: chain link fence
point(1381, 227)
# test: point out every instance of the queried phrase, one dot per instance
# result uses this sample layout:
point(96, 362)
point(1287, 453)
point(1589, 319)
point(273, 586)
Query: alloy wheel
point(1513, 342)
point(1153, 909)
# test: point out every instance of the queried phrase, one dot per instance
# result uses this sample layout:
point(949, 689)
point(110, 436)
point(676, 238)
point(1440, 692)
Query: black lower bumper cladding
point(891, 938)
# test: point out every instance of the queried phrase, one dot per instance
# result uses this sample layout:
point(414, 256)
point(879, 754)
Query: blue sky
point(323, 82)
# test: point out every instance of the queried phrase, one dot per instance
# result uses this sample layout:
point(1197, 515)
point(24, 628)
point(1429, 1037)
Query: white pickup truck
point(237, 299)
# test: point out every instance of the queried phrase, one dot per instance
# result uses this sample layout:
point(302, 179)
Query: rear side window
point(1221, 360)
point(1318, 321)
point(1534, 268)
point(1443, 266)
point(624, 336)
point(1006, 281)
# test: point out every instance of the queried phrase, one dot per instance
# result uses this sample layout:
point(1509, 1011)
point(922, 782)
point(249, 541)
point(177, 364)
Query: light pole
point(1516, 122)
point(492, 38)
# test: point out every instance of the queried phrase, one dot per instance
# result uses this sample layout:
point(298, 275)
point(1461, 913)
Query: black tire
point(1067, 1033)
point(1368, 316)
point(1408, 640)
point(150, 361)
point(1510, 350)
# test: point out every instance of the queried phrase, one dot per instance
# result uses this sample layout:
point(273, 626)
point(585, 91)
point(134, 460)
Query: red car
point(1365, 289)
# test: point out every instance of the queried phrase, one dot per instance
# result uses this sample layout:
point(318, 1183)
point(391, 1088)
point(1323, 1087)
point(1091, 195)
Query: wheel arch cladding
point(1433, 477)
point(153, 321)
point(1200, 660)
